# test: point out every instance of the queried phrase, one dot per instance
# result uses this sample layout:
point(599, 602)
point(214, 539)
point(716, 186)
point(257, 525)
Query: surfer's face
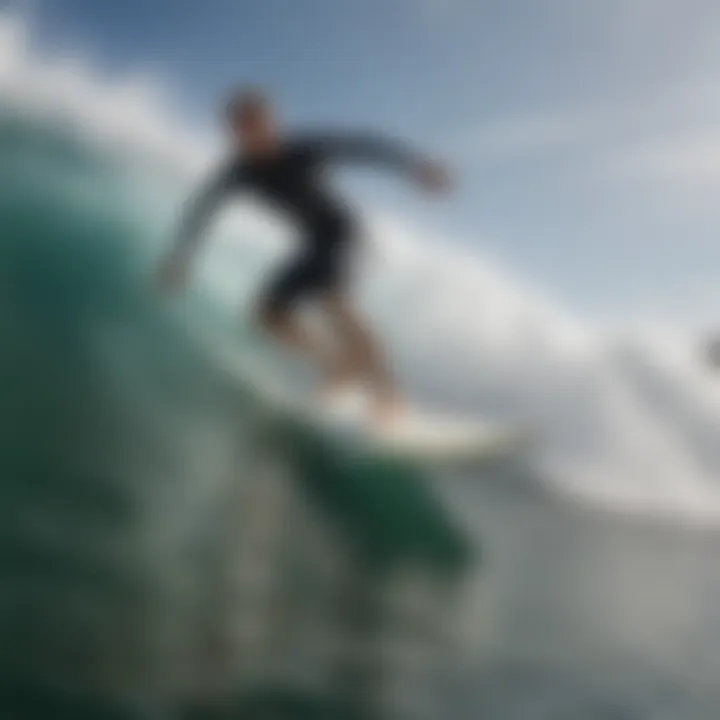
point(254, 127)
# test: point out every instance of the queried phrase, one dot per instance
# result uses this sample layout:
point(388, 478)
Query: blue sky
point(586, 133)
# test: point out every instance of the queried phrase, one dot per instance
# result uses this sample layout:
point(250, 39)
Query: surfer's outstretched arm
point(395, 154)
point(198, 211)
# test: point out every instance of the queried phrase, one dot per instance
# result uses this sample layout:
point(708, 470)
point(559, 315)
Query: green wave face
point(131, 469)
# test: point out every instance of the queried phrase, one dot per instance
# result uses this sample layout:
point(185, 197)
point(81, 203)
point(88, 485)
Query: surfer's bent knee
point(270, 317)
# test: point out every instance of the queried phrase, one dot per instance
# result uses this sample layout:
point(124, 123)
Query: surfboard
point(415, 434)
point(428, 438)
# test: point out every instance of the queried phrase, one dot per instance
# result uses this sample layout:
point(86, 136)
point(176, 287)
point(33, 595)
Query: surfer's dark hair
point(245, 103)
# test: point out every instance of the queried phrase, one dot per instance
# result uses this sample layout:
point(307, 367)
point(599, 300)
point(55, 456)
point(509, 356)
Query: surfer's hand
point(172, 274)
point(433, 177)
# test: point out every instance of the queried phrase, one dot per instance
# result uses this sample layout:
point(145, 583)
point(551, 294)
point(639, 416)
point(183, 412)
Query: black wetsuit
point(292, 181)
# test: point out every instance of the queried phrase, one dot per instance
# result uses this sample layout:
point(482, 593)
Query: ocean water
point(582, 614)
point(593, 588)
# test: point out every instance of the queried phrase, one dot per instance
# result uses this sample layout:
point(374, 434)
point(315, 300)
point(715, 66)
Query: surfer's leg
point(283, 326)
point(360, 355)
point(363, 356)
point(276, 314)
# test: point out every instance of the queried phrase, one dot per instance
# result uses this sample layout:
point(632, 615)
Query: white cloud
point(531, 135)
point(688, 157)
point(659, 127)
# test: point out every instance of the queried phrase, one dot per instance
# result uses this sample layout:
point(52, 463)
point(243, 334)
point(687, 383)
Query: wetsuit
point(292, 181)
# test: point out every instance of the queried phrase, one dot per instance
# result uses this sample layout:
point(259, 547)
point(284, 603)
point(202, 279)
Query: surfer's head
point(251, 116)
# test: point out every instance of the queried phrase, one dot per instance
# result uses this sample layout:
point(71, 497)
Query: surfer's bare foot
point(388, 409)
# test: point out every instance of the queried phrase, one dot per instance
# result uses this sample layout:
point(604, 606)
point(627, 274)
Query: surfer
point(287, 171)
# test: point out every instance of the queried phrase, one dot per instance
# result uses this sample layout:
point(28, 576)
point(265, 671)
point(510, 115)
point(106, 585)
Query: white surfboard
point(432, 438)
point(418, 434)
point(414, 434)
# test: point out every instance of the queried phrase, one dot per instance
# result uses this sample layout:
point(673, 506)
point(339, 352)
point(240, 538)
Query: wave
point(157, 525)
point(626, 424)
point(127, 458)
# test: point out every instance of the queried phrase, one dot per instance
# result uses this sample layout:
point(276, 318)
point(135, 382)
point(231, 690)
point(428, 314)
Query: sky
point(585, 134)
